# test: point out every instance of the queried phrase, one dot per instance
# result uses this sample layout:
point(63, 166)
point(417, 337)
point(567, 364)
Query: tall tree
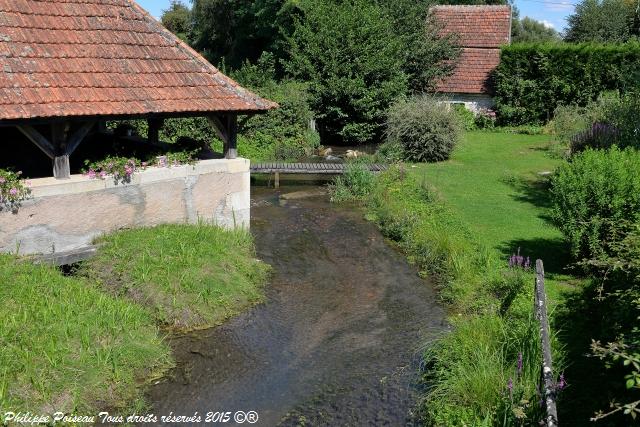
point(177, 19)
point(427, 55)
point(532, 31)
point(352, 59)
point(232, 31)
point(612, 21)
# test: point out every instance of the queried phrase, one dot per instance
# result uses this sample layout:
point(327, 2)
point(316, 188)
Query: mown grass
point(496, 183)
point(87, 343)
point(188, 276)
point(67, 346)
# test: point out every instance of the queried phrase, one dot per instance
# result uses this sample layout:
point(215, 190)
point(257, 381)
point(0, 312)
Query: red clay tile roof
point(65, 58)
point(481, 30)
point(472, 73)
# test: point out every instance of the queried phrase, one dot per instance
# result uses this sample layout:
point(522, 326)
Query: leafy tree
point(426, 55)
point(603, 21)
point(232, 31)
point(353, 60)
point(532, 31)
point(177, 19)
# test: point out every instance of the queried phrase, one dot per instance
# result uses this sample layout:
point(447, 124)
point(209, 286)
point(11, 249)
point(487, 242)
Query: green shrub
point(532, 80)
point(355, 184)
point(624, 116)
point(427, 130)
point(594, 196)
point(485, 120)
point(390, 152)
point(467, 118)
point(567, 122)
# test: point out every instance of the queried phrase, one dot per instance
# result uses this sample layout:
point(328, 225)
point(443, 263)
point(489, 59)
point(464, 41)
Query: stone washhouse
point(69, 66)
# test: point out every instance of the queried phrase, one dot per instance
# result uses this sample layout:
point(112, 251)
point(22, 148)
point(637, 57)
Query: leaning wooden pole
point(547, 365)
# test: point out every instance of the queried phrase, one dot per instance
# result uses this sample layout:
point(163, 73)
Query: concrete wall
point(474, 103)
point(63, 215)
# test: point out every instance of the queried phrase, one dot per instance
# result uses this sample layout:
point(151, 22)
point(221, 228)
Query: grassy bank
point(468, 370)
point(67, 346)
point(87, 343)
point(459, 221)
point(188, 276)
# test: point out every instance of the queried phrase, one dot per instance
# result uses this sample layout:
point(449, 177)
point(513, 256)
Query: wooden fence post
point(547, 365)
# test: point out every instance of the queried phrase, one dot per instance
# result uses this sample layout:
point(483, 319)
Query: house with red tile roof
point(480, 31)
point(68, 65)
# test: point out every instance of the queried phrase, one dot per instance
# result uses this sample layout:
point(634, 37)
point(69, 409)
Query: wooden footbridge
point(306, 168)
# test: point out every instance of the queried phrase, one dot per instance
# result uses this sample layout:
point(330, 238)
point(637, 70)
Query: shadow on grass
point(553, 252)
point(592, 386)
point(535, 192)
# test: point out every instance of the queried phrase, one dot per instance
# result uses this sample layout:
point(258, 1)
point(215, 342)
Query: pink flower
point(103, 174)
point(91, 174)
point(2, 180)
point(13, 191)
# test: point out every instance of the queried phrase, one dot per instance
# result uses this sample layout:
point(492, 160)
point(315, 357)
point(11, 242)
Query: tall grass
point(189, 276)
point(355, 184)
point(467, 371)
point(66, 346)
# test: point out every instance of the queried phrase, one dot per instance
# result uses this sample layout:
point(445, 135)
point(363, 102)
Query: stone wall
point(63, 215)
point(473, 103)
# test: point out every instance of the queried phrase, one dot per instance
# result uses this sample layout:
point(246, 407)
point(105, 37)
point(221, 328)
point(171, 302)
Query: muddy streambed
point(336, 342)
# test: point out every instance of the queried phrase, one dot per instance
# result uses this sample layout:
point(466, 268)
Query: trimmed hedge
point(532, 80)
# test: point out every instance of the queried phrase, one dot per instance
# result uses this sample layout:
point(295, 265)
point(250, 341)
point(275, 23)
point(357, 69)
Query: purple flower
point(13, 191)
point(561, 383)
point(2, 180)
point(91, 174)
point(510, 387)
point(519, 364)
point(103, 174)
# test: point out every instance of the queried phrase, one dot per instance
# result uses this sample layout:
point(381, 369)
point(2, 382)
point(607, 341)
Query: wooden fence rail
point(549, 386)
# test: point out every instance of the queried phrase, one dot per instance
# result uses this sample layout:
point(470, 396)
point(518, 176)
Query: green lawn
point(493, 182)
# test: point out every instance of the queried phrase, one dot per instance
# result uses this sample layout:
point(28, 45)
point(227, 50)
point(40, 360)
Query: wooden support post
point(154, 130)
point(276, 180)
point(226, 127)
point(61, 166)
point(232, 142)
point(545, 336)
point(39, 140)
point(61, 145)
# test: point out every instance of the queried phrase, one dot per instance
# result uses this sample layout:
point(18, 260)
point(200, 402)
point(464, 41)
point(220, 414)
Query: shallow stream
point(337, 341)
